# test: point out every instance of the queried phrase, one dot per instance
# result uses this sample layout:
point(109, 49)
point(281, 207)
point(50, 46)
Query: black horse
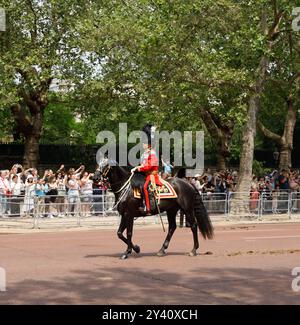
point(188, 199)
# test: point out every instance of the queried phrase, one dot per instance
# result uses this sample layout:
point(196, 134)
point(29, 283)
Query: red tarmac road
point(249, 264)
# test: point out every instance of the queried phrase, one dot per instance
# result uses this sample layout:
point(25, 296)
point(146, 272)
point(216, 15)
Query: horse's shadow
point(134, 255)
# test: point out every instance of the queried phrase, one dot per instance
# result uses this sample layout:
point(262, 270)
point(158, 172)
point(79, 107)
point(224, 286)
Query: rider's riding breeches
point(146, 195)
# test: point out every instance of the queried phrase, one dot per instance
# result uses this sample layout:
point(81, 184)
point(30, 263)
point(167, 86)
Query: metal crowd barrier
point(33, 211)
point(215, 203)
point(265, 204)
point(52, 211)
point(244, 202)
point(295, 205)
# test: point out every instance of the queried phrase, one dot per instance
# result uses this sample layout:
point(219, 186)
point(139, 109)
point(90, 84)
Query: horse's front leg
point(130, 246)
point(121, 229)
point(171, 230)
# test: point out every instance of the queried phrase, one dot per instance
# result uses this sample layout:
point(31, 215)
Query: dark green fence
point(73, 155)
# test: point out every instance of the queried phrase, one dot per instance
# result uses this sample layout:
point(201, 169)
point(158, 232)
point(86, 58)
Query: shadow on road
point(127, 285)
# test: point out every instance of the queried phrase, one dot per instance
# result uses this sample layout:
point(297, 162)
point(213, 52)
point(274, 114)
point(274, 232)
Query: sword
point(158, 209)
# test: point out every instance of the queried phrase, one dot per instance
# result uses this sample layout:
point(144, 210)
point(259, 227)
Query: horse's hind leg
point(171, 230)
point(192, 221)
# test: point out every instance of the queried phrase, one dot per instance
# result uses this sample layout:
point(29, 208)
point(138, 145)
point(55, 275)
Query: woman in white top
point(16, 170)
point(16, 186)
point(73, 192)
point(5, 191)
point(61, 192)
point(29, 195)
point(86, 184)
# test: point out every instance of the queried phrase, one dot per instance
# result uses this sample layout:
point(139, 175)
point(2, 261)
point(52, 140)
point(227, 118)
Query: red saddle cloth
point(163, 191)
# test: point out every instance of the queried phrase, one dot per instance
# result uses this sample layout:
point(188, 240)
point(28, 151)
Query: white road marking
point(271, 237)
point(252, 229)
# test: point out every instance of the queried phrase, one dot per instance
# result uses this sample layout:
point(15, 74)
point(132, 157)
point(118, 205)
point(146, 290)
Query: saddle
point(166, 191)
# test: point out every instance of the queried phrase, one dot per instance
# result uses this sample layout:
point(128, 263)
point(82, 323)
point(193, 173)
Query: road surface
point(243, 264)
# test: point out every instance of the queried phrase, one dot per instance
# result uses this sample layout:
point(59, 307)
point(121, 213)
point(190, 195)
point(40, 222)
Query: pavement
point(82, 223)
point(246, 263)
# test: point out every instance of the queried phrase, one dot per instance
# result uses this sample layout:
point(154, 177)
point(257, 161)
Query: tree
point(174, 59)
point(271, 29)
point(40, 44)
point(281, 98)
point(284, 141)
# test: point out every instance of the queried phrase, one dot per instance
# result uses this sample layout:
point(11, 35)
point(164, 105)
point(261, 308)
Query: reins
point(121, 197)
point(126, 184)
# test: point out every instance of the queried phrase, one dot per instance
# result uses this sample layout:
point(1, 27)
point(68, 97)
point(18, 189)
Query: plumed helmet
point(149, 131)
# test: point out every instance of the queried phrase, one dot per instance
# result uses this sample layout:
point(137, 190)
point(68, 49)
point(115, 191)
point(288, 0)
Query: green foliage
point(136, 61)
point(259, 170)
point(6, 129)
point(60, 125)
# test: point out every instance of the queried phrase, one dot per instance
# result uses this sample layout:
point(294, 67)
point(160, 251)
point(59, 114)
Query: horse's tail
point(202, 217)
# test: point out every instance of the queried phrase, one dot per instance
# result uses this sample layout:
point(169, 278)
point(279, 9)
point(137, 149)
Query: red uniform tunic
point(150, 165)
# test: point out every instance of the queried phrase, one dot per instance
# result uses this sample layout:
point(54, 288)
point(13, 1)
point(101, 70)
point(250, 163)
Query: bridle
point(107, 169)
point(125, 187)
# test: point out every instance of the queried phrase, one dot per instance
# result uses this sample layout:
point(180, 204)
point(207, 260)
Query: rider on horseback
point(149, 166)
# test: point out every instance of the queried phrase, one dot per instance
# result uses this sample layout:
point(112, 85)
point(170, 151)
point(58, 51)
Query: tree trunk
point(221, 161)
point(31, 127)
point(31, 151)
point(286, 141)
point(28, 113)
point(240, 205)
point(221, 134)
point(246, 161)
point(285, 158)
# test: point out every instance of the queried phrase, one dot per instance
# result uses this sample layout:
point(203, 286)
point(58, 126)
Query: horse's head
point(105, 166)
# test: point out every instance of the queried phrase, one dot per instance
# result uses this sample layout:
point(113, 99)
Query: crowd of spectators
point(226, 182)
point(273, 187)
point(54, 194)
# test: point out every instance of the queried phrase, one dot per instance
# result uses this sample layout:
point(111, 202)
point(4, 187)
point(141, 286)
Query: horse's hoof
point(161, 253)
point(137, 249)
point(191, 254)
point(124, 257)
